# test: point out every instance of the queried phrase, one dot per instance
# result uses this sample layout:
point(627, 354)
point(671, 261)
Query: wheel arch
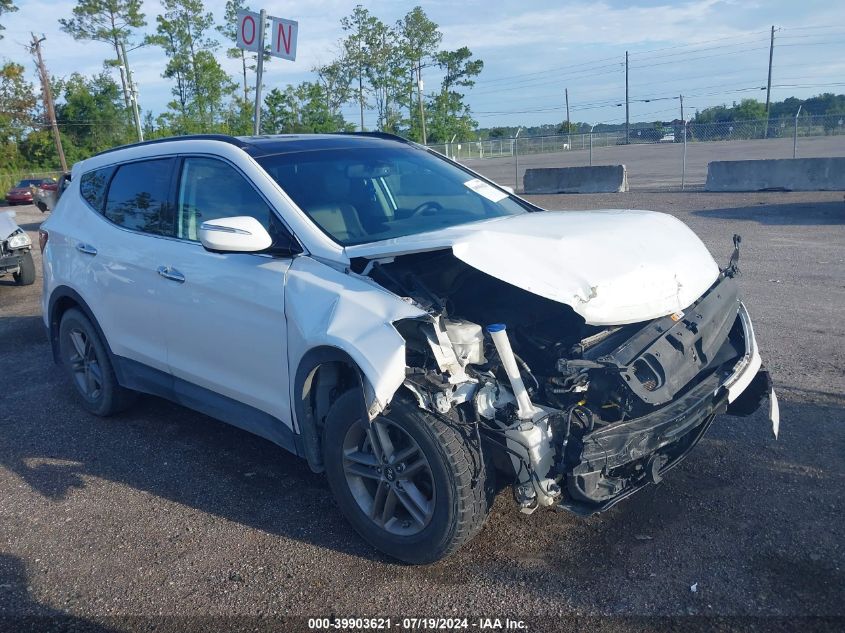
point(63, 299)
point(324, 374)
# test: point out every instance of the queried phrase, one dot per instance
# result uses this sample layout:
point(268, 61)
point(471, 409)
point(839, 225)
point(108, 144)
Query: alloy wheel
point(389, 476)
point(84, 365)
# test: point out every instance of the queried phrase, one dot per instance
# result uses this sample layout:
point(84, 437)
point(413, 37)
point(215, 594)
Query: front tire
point(412, 484)
point(26, 273)
point(87, 362)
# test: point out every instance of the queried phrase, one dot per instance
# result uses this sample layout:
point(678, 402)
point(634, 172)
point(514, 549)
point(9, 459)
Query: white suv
point(412, 329)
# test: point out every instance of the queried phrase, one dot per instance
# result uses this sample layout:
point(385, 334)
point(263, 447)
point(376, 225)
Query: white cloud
point(515, 37)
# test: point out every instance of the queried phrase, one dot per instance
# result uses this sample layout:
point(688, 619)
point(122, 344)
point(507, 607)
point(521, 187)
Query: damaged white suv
point(412, 329)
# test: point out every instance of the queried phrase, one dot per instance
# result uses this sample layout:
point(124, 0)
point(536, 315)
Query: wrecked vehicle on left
point(15, 251)
point(418, 333)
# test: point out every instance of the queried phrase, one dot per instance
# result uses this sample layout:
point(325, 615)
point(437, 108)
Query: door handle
point(171, 273)
point(82, 247)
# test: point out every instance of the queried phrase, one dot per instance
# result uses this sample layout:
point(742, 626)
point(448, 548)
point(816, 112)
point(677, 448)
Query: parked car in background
point(410, 328)
point(15, 251)
point(28, 189)
point(21, 193)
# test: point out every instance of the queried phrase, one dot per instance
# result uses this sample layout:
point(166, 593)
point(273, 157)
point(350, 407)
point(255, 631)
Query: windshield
point(28, 183)
point(365, 195)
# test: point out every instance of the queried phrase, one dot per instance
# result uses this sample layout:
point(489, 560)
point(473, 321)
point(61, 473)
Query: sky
point(711, 51)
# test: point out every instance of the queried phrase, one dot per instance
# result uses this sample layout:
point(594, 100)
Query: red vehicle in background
point(22, 192)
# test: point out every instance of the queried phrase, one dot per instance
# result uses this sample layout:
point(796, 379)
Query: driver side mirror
point(240, 234)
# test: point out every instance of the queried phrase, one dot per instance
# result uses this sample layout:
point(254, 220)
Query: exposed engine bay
point(580, 415)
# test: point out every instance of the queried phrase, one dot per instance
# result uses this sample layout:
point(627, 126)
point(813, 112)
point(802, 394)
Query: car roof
point(268, 145)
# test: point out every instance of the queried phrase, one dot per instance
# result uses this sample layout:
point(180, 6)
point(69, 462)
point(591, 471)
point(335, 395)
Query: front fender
point(325, 307)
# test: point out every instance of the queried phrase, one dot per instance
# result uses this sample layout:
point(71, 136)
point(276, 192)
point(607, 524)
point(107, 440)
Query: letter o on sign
point(248, 26)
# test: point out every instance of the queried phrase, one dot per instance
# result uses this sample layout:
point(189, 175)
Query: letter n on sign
point(248, 35)
point(283, 41)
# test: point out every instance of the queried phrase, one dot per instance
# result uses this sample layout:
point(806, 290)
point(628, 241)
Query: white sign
point(248, 30)
point(283, 40)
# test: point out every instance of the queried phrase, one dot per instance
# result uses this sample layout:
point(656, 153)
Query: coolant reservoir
point(468, 341)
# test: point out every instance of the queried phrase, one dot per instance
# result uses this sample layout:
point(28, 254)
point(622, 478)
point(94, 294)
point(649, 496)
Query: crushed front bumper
point(621, 458)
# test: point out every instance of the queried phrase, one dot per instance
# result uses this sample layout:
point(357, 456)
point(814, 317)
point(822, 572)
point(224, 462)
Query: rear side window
point(138, 197)
point(92, 186)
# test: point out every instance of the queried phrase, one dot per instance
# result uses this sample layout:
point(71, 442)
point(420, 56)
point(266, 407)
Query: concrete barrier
point(595, 179)
point(788, 174)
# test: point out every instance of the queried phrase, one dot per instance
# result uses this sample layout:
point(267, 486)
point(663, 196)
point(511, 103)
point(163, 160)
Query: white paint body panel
point(225, 326)
point(120, 283)
point(612, 267)
point(326, 307)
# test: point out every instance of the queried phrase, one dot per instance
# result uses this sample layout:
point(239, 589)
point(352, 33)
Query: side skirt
point(139, 377)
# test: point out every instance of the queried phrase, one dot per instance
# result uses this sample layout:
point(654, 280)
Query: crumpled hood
point(7, 224)
point(611, 266)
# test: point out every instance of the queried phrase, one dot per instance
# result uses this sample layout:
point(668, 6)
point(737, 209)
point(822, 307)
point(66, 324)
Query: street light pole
point(516, 161)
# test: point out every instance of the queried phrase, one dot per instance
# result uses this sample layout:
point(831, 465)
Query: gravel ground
point(165, 512)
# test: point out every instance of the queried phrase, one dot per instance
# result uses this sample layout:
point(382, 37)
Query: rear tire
point(430, 497)
point(89, 367)
point(26, 274)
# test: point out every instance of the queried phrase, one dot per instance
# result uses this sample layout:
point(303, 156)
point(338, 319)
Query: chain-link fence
point(665, 156)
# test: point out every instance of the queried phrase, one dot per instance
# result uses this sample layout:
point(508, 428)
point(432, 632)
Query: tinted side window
point(138, 197)
point(211, 189)
point(92, 186)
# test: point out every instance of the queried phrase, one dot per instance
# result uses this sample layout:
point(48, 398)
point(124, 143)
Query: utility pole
point(47, 93)
point(133, 93)
point(769, 82)
point(627, 111)
point(259, 73)
point(121, 66)
point(420, 99)
point(566, 92)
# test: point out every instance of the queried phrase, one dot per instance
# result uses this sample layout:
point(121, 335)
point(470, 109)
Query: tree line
point(745, 110)
point(377, 66)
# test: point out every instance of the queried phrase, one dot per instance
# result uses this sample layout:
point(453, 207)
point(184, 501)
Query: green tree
point(358, 27)
point(384, 72)
point(451, 116)
point(419, 39)
point(90, 114)
point(201, 85)
point(109, 21)
point(17, 113)
point(749, 110)
point(301, 109)
point(336, 82)
point(6, 6)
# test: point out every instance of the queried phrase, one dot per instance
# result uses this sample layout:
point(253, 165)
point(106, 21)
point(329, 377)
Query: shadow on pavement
point(20, 613)
point(797, 213)
point(753, 521)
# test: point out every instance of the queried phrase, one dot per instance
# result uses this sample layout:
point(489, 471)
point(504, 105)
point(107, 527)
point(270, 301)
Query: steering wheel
point(431, 205)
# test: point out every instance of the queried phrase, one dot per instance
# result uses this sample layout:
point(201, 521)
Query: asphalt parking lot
point(165, 512)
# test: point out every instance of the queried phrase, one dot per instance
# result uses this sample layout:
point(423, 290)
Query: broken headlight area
point(579, 416)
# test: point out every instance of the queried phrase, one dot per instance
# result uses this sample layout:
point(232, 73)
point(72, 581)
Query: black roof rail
point(188, 137)
point(384, 135)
